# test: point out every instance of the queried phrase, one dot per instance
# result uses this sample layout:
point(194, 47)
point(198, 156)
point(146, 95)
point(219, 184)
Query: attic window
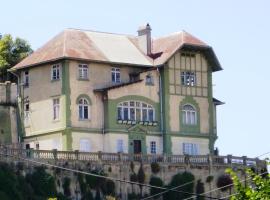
point(188, 54)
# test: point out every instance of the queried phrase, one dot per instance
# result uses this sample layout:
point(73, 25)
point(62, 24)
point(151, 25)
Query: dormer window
point(116, 78)
point(188, 78)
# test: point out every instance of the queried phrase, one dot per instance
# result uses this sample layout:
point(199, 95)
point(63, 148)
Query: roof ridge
point(104, 32)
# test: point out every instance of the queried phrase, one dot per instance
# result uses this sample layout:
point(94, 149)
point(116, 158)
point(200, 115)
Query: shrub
point(141, 178)
point(199, 190)
point(66, 186)
point(209, 179)
point(155, 167)
point(155, 181)
point(180, 179)
point(223, 181)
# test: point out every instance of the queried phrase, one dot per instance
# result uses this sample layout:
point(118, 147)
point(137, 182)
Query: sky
point(238, 31)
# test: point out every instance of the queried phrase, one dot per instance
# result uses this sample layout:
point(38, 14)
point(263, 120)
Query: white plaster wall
point(96, 141)
point(159, 143)
point(47, 142)
point(110, 142)
point(177, 145)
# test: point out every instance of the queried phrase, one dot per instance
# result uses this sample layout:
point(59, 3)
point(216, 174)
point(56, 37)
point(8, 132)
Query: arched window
point(135, 111)
point(189, 115)
point(83, 108)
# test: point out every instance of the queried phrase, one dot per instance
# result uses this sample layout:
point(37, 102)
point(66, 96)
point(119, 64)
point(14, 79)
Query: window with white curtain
point(135, 111)
point(120, 146)
point(189, 115)
point(190, 149)
point(85, 145)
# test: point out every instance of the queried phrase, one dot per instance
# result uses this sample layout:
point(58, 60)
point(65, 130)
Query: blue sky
point(238, 31)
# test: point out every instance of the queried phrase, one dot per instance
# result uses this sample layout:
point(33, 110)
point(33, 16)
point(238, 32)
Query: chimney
point(144, 36)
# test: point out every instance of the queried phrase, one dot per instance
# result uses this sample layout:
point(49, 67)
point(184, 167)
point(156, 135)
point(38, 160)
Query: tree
point(180, 179)
point(11, 53)
point(258, 187)
point(199, 189)
point(141, 178)
point(156, 181)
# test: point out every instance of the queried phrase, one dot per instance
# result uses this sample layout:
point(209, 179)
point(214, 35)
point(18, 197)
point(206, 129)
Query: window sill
point(55, 80)
point(84, 120)
point(83, 79)
point(56, 120)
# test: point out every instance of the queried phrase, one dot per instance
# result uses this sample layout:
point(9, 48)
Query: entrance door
point(137, 146)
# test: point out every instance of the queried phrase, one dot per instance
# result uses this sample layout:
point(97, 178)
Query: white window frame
point(83, 104)
point(120, 146)
point(114, 72)
point(189, 115)
point(56, 108)
point(188, 78)
point(190, 149)
point(83, 148)
point(26, 78)
point(153, 147)
point(26, 113)
point(55, 72)
point(83, 71)
point(137, 106)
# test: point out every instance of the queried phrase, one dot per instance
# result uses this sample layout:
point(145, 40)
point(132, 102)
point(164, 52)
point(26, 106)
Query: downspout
point(161, 108)
point(18, 95)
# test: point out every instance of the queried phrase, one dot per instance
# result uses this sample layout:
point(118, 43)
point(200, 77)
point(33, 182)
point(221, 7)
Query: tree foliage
point(12, 51)
point(156, 181)
point(180, 179)
point(258, 187)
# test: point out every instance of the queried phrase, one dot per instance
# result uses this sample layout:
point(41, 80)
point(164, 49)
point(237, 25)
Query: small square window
point(188, 78)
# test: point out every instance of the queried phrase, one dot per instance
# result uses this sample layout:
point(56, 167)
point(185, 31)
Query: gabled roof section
point(114, 48)
point(168, 45)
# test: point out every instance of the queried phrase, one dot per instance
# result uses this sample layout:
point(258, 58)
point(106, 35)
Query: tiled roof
point(108, 47)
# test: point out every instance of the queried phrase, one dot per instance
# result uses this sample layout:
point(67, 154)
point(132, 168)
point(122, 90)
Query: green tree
point(141, 178)
point(156, 181)
point(11, 53)
point(180, 179)
point(257, 189)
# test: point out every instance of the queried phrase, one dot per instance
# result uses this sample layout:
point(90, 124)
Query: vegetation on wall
point(155, 167)
point(156, 181)
point(258, 186)
point(199, 189)
point(180, 179)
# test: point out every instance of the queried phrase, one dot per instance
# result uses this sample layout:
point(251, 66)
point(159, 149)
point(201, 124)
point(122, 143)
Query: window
point(190, 149)
point(83, 71)
point(85, 145)
point(55, 74)
point(188, 78)
point(149, 80)
point(26, 79)
point(135, 111)
point(56, 144)
point(56, 109)
point(153, 147)
point(189, 115)
point(116, 75)
point(83, 109)
point(120, 146)
point(26, 113)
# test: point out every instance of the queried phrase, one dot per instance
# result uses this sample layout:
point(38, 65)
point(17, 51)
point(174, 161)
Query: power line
point(188, 182)
point(105, 177)
point(227, 185)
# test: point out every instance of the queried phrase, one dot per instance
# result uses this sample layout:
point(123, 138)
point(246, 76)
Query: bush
point(224, 180)
point(155, 181)
point(199, 190)
point(180, 179)
point(109, 188)
point(66, 186)
point(155, 167)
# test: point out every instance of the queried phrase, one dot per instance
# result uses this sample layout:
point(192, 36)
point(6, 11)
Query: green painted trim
point(45, 133)
point(86, 130)
point(67, 140)
point(110, 111)
point(189, 100)
point(167, 143)
point(212, 136)
point(84, 96)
